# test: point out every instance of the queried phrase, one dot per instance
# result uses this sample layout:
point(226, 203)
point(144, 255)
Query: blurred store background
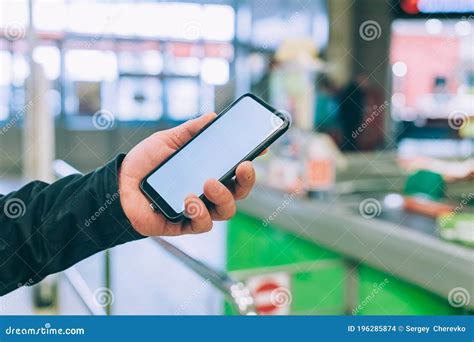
point(365, 207)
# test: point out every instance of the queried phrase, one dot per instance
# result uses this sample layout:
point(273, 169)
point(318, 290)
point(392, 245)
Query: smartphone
point(240, 132)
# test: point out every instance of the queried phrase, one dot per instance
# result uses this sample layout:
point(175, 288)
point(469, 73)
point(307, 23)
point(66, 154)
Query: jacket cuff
point(118, 223)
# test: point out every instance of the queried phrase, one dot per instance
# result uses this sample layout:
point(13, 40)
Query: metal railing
point(75, 279)
point(73, 276)
point(235, 291)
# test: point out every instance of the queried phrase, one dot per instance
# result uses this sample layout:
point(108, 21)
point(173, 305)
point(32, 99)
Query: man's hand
point(147, 155)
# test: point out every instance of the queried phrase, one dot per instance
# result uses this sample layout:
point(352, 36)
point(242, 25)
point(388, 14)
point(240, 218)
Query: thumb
point(183, 133)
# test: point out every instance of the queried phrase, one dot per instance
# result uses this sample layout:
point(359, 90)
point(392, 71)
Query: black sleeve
point(46, 228)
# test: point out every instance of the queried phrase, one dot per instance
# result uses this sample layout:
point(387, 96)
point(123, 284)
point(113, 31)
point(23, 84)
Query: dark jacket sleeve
point(46, 228)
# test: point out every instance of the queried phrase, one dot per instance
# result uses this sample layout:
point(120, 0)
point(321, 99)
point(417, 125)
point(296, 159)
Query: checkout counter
point(333, 260)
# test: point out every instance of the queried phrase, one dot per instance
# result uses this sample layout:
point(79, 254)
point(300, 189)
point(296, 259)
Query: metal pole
point(108, 279)
point(235, 291)
point(83, 291)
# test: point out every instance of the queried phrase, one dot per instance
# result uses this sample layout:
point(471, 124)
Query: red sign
point(410, 6)
point(271, 293)
point(265, 307)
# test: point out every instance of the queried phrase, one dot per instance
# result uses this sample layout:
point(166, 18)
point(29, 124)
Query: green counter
point(322, 279)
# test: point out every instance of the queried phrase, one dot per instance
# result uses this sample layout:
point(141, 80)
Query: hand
point(147, 155)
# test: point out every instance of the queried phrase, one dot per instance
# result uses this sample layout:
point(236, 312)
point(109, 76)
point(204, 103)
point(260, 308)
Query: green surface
point(317, 287)
point(253, 245)
point(318, 292)
point(319, 276)
point(397, 297)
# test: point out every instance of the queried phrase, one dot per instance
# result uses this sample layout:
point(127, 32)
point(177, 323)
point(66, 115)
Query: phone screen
point(215, 151)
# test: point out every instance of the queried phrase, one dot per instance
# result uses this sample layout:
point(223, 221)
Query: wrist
point(116, 221)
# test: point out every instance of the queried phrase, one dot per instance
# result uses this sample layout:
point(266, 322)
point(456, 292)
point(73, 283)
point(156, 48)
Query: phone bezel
point(158, 201)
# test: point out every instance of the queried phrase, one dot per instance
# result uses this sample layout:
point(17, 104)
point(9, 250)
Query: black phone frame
point(158, 202)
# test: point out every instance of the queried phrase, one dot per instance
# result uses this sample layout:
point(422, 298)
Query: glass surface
point(50, 60)
point(20, 69)
point(139, 99)
point(91, 65)
point(5, 68)
point(431, 88)
point(214, 152)
point(175, 20)
point(182, 96)
point(215, 71)
point(4, 101)
point(272, 22)
point(14, 17)
point(184, 66)
point(147, 62)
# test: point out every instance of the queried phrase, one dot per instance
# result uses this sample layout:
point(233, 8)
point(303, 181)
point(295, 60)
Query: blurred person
point(373, 119)
point(326, 109)
point(351, 110)
point(80, 215)
point(261, 88)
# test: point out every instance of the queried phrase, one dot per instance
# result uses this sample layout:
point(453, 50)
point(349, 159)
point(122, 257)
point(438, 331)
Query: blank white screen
point(214, 152)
